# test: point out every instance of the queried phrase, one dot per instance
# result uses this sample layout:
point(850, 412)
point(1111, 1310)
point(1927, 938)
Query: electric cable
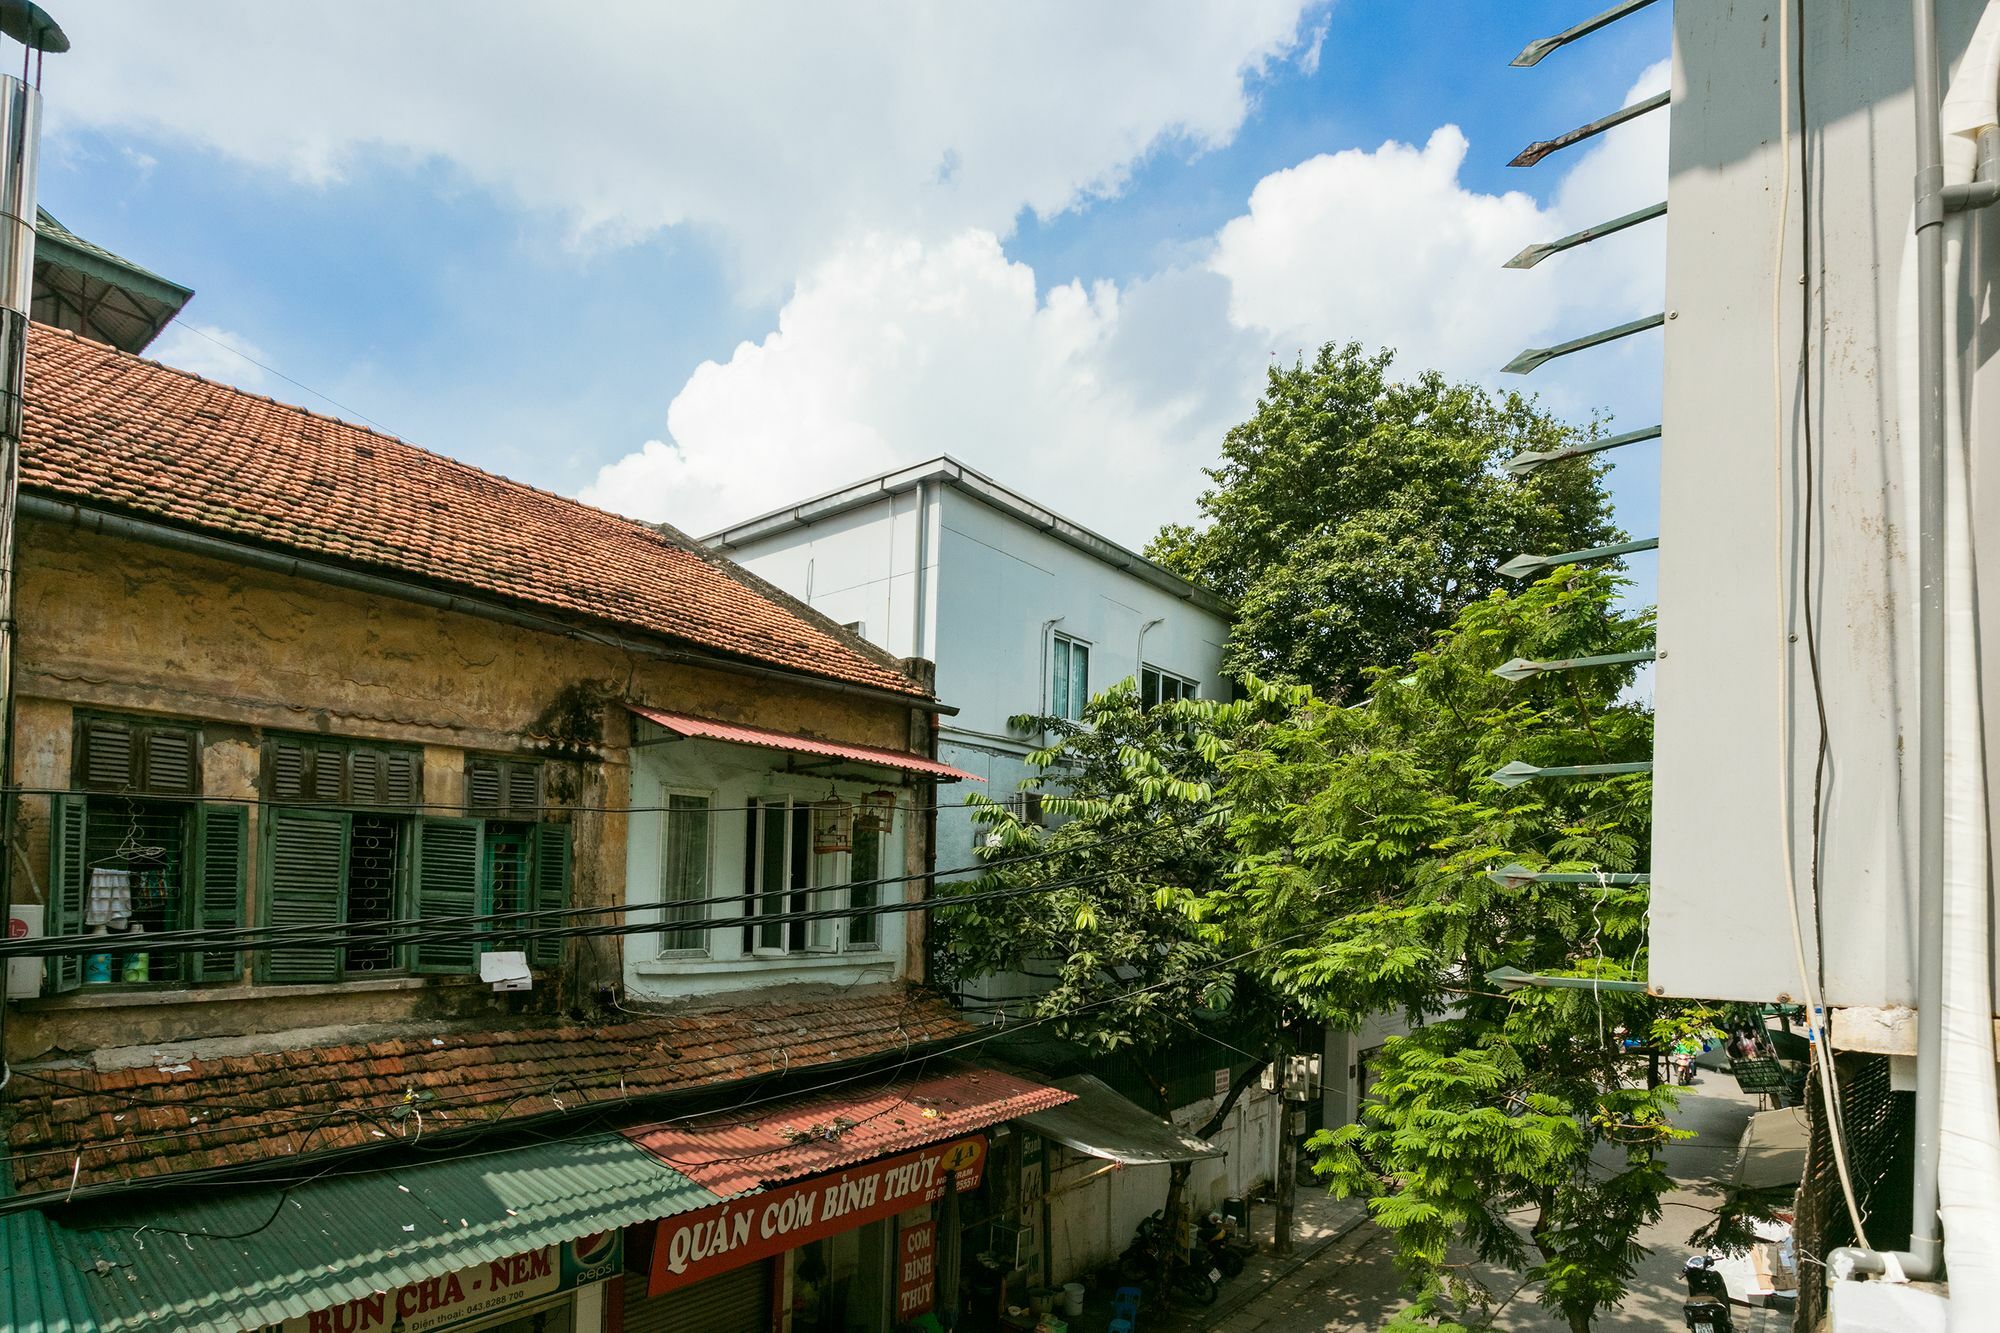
point(1818, 1037)
point(43, 1198)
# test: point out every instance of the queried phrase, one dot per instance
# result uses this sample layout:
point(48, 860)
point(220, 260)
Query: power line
point(273, 370)
point(460, 808)
point(599, 1108)
point(242, 938)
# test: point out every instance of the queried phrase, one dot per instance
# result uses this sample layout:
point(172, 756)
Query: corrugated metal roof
point(1103, 1124)
point(701, 728)
point(731, 1153)
point(41, 1292)
point(260, 1256)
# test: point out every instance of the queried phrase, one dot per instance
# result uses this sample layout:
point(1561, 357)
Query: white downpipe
point(1969, 1132)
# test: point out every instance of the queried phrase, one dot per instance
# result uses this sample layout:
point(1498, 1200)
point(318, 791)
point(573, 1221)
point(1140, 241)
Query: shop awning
point(232, 1258)
point(1101, 1123)
point(701, 728)
point(734, 1152)
point(1772, 1152)
point(42, 1293)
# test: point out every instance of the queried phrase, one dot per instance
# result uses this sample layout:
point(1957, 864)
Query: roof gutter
point(173, 538)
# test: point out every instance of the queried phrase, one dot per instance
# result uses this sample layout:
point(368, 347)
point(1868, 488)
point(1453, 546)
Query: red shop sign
point(728, 1235)
point(916, 1270)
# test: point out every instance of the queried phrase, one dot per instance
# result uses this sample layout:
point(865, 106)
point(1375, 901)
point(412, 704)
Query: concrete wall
point(116, 625)
point(1744, 480)
point(1093, 1213)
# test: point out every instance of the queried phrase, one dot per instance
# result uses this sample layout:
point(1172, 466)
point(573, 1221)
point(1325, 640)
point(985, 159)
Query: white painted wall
point(857, 566)
point(731, 775)
point(1092, 1222)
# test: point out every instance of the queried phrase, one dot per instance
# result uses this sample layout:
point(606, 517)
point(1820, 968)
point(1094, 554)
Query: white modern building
point(1022, 610)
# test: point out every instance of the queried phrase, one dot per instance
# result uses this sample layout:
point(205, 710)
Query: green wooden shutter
point(110, 758)
point(222, 835)
point(305, 884)
point(447, 884)
point(524, 790)
point(170, 761)
point(402, 778)
point(69, 881)
point(551, 891)
point(483, 786)
point(364, 777)
point(288, 770)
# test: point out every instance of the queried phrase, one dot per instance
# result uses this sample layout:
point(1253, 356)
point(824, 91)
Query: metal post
point(1287, 1191)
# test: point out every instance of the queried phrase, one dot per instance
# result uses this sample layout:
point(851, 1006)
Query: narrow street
point(1348, 1282)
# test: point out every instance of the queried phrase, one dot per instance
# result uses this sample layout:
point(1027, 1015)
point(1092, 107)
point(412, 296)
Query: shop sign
point(722, 1236)
point(471, 1293)
point(916, 1270)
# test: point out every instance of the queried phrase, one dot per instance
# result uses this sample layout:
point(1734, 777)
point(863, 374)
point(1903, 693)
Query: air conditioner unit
point(1303, 1081)
point(24, 975)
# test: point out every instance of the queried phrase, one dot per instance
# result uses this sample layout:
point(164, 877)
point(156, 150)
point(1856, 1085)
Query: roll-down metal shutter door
point(738, 1301)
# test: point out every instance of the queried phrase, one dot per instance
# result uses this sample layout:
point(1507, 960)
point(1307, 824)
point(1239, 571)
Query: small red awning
point(701, 728)
point(734, 1152)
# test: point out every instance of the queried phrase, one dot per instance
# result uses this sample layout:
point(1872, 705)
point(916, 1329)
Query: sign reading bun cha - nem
point(722, 1236)
point(483, 1290)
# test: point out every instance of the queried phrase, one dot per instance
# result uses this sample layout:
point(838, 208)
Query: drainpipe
point(920, 625)
point(1138, 672)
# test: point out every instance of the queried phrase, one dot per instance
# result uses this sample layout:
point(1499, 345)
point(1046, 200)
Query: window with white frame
point(1069, 677)
point(811, 857)
point(1159, 687)
point(777, 870)
point(685, 826)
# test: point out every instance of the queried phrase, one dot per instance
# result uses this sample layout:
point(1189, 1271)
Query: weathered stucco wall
point(113, 624)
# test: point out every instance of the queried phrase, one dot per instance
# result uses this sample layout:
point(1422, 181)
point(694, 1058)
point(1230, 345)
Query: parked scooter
point(1226, 1254)
point(1152, 1248)
point(1706, 1309)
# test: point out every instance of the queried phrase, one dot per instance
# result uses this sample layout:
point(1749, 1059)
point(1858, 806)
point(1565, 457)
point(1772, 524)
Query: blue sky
point(692, 266)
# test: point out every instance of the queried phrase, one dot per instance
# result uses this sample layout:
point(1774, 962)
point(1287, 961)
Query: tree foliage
point(1283, 853)
point(1353, 515)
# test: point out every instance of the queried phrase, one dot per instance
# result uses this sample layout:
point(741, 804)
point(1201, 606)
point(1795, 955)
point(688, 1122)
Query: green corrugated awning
point(40, 1292)
point(258, 1256)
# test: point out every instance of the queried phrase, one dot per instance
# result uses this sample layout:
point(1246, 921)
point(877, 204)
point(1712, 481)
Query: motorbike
point(1152, 1249)
point(1217, 1236)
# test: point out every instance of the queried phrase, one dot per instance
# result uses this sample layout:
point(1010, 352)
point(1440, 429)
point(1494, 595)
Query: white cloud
point(1106, 402)
point(894, 350)
point(1392, 248)
point(780, 128)
point(214, 354)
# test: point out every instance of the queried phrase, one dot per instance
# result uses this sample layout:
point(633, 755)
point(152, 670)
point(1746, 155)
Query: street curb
point(1244, 1301)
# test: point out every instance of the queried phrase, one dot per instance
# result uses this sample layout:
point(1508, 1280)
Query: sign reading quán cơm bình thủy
point(722, 1236)
point(916, 1269)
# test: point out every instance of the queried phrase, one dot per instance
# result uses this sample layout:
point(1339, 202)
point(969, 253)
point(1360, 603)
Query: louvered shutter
point(288, 770)
point(108, 755)
point(364, 777)
point(524, 790)
point(222, 835)
point(69, 879)
point(447, 885)
point(402, 778)
point(551, 891)
point(326, 771)
point(305, 885)
point(482, 786)
point(170, 761)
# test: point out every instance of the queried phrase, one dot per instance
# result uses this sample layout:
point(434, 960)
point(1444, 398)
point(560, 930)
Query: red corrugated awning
point(701, 728)
point(733, 1152)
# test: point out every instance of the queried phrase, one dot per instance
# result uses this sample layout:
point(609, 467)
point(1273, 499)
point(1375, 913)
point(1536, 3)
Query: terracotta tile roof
point(730, 1153)
point(105, 1126)
point(116, 431)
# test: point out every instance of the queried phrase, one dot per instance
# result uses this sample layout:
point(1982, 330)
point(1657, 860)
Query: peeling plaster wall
point(118, 625)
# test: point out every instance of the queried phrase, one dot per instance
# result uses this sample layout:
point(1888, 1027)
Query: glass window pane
point(684, 868)
point(775, 872)
point(1079, 680)
point(1059, 685)
point(864, 866)
point(1149, 688)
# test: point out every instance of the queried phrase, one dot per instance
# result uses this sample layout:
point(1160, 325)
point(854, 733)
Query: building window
point(1069, 678)
point(503, 788)
point(331, 771)
point(864, 867)
point(1159, 687)
point(145, 860)
point(684, 863)
point(126, 754)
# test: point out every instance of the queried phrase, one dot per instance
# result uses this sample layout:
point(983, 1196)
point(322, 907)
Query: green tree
point(1515, 1125)
point(1353, 515)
